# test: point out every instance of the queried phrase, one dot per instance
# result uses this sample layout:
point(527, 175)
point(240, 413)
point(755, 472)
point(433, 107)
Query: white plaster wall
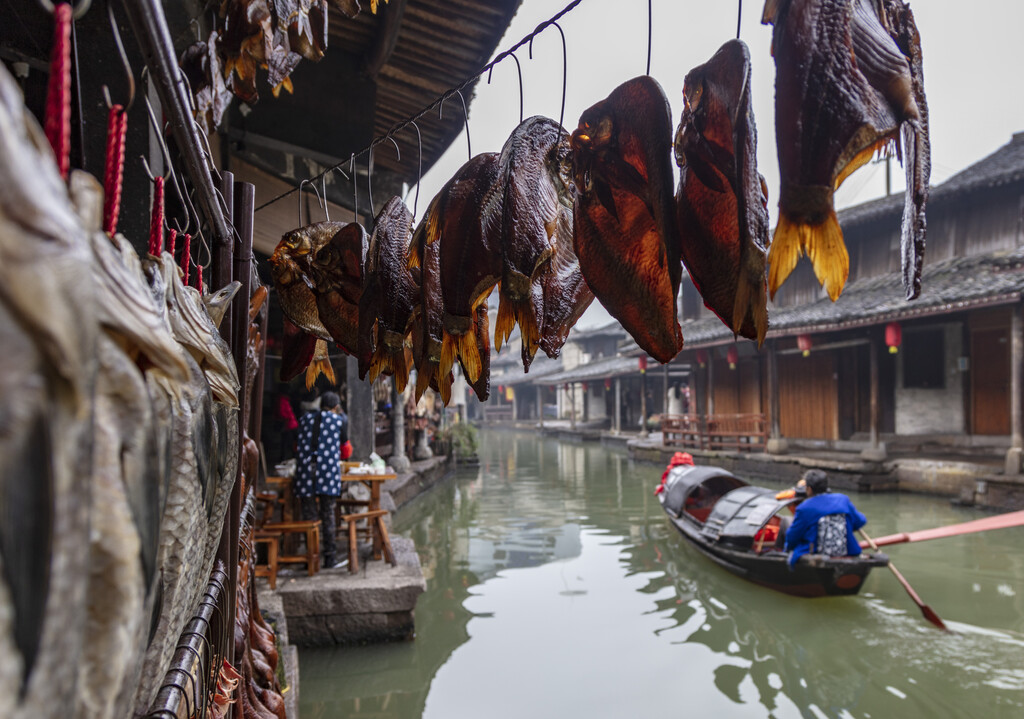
point(934, 411)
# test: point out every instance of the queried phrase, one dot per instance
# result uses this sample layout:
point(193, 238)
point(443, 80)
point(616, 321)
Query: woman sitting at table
point(317, 481)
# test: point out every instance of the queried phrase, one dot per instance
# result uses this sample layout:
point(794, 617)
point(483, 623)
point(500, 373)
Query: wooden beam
point(387, 37)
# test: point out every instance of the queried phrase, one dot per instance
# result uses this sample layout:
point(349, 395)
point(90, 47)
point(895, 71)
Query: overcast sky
point(973, 79)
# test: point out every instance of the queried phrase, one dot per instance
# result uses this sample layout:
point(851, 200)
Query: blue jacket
point(804, 531)
point(327, 477)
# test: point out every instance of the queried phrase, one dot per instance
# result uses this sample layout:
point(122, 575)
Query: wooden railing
point(498, 412)
point(741, 432)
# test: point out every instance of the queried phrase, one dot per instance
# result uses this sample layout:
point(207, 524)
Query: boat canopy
point(742, 512)
point(704, 482)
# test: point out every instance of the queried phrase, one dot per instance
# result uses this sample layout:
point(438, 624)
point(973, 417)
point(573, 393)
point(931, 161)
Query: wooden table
point(381, 542)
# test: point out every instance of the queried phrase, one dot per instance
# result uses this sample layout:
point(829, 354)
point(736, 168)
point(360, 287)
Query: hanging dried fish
point(624, 220)
point(721, 201)
point(201, 64)
point(336, 269)
point(565, 291)
point(428, 325)
point(390, 297)
point(848, 85)
point(246, 41)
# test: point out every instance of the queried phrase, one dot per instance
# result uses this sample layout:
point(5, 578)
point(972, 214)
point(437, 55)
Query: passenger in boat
point(823, 523)
point(679, 459)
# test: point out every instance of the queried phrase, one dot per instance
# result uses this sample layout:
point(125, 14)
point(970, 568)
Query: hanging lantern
point(607, 383)
point(501, 389)
point(643, 364)
point(565, 387)
point(586, 386)
point(893, 337)
point(804, 343)
point(732, 356)
point(702, 358)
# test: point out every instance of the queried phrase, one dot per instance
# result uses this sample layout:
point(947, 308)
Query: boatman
point(824, 523)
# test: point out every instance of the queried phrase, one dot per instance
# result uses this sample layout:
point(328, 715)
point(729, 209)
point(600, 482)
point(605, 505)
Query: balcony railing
point(739, 432)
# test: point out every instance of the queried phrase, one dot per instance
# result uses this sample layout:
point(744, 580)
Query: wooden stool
point(269, 500)
point(311, 529)
point(269, 569)
point(381, 541)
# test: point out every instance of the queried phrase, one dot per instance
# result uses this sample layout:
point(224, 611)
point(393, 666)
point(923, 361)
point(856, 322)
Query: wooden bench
point(381, 540)
point(742, 432)
point(311, 529)
point(268, 570)
point(682, 429)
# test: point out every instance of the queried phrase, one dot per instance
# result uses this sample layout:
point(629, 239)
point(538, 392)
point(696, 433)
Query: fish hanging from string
point(624, 217)
point(722, 199)
point(849, 85)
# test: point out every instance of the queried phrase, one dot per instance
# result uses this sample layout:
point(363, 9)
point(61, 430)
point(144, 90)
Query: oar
point(927, 611)
point(999, 521)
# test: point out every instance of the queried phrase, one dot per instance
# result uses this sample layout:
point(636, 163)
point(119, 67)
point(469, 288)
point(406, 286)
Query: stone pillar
point(540, 405)
point(876, 451)
point(643, 403)
point(618, 405)
point(572, 405)
point(398, 461)
point(1013, 455)
point(360, 410)
point(515, 405)
point(776, 443)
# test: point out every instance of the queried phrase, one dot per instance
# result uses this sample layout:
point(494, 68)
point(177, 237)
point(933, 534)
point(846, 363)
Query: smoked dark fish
point(291, 270)
point(537, 194)
point(463, 220)
point(566, 295)
point(428, 326)
point(390, 296)
point(624, 220)
point(337, 273)
point(721, 200)
point(849, 84)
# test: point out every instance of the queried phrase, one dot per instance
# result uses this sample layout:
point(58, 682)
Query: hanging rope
point(113, 171)
point(402, 124)
point(58, 92)
point(156, 218)
point(199, 278)
point(171, 237)
point(186, 255)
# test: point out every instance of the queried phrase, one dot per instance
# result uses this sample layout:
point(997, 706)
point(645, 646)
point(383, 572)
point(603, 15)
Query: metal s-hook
point(519, 70)
point(355, 187)
point(77, 11)
point(323, 182)
point(369, 187)
point(167, 161)
point(124, 61)
point(565, 68)
point(318, 199)
point(465, 114)
point(419, 166)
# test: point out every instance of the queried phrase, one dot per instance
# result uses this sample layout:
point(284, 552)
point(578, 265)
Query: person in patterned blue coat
point(317, 481)
point(824, 523)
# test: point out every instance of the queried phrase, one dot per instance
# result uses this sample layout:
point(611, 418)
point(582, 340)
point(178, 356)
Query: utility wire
point(402, 124)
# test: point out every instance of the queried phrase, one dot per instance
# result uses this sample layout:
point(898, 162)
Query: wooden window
point(924, 359)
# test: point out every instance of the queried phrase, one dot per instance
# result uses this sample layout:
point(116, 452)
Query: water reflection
point(557, 588)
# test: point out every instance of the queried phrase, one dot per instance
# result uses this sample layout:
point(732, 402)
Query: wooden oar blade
point(932, 617)
point(999, 521)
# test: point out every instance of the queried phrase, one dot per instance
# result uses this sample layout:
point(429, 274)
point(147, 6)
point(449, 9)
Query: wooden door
point(807, 396)
point(990, 381)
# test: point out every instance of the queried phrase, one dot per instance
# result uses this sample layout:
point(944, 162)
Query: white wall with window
point(929, 381)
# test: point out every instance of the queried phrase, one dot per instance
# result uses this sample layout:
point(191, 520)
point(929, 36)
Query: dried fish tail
point(822, 242)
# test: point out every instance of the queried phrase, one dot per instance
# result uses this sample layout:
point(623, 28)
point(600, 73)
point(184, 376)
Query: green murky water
point(556, 588)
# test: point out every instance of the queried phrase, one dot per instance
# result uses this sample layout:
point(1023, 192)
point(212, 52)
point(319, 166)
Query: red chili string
point(185, 257)
point(57, 121)
point(199, 277)
point(156, 218)
point(113, 174)
point(171, 237)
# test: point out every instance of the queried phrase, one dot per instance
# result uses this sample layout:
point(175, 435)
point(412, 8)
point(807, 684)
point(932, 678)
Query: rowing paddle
point(999, 521)
point(927, 611)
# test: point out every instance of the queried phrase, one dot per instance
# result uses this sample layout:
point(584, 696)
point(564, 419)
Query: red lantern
point(893, 336)
point(607, 383)
point(501, 389)
point(643, 364)
point(565, 386)
point(732, 356)
point(804, 343)
point(702, 358)
point(586, 386)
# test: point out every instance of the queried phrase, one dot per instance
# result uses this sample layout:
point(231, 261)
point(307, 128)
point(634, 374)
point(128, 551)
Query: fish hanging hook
point(355, 187)
point(323, 183)
point(565, 67)
point(167, 162)
point(369, 187)
point(124, 62)
point(465, 114)
point(519, 70)
point(650, 15)
point(77, 10)
point(419, 166)
point(319, 200)
point(739, 18)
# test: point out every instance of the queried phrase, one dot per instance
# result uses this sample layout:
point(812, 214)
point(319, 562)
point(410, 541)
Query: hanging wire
point(650, 14)
point(465, 114)
point(402, 124)
point(419, 169)
point(739, 18)
point(565, 68)
point(369, 186)
point(519, 71)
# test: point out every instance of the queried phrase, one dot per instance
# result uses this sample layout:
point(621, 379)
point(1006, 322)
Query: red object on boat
point(893, 337)
point(732, 356)
point(804, 343)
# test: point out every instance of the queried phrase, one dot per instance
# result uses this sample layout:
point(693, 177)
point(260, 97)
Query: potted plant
point(464, 441)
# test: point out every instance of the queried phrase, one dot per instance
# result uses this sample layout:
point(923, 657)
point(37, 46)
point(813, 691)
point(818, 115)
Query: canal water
point(556, 588)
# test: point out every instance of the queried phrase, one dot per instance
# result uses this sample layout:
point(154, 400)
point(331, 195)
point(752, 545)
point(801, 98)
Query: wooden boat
point(743, 528)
